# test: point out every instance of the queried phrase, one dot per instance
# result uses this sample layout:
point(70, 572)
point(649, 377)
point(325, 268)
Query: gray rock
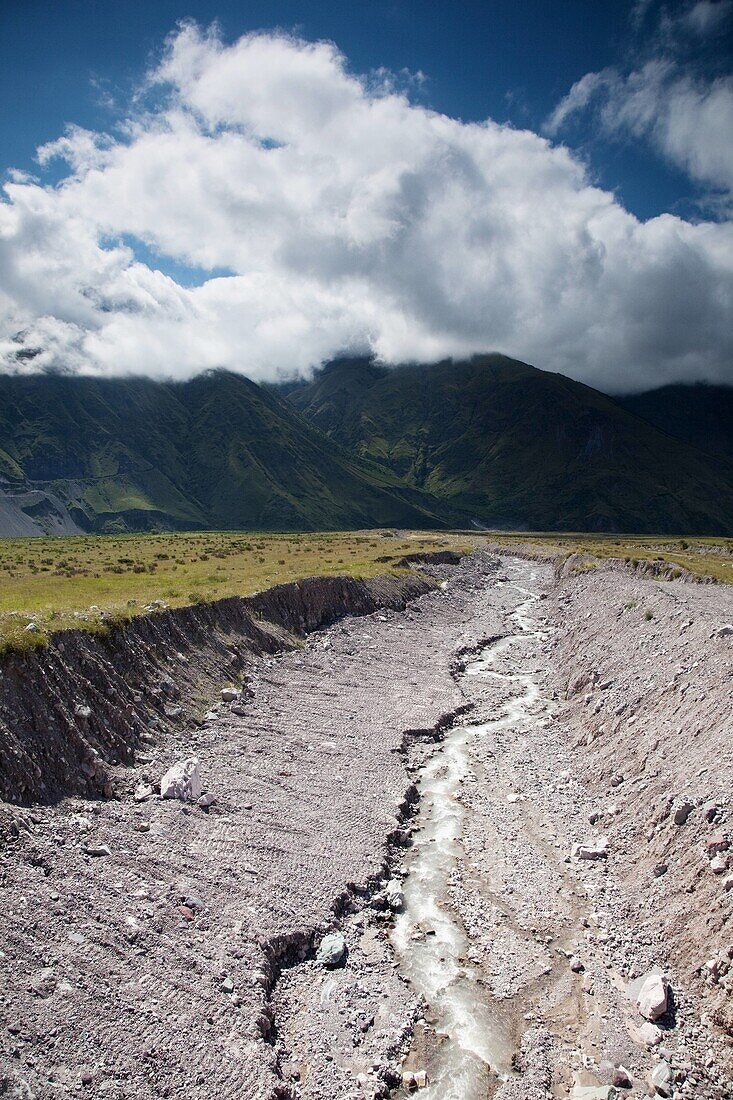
point(331, 949)
point(395, 895)
point(591, 849)
point(229, 695)
point(682, 812)
point(621, 1078)
point(662, 1079)
point(97, 850)
point(182, 781)
point(651, 995)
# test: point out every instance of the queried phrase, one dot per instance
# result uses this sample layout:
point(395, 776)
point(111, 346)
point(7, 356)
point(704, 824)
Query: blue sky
point(61, 61)
point(261, 186)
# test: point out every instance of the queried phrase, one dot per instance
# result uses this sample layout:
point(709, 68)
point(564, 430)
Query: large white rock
point(652, 996)
point(182, 781)
point(395, 895)
point(593, 1092)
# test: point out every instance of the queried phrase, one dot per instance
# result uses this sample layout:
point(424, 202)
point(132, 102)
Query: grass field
point(84, 581)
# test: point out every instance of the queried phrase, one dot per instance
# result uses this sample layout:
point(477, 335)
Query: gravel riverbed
point(161, 948)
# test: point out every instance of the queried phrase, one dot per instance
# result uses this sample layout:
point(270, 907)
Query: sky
point(261, 186)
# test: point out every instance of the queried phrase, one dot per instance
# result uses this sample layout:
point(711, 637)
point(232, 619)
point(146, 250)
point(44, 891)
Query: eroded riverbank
point(180, 958)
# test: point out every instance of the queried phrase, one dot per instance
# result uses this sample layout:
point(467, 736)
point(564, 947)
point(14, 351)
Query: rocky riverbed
point(422, 853)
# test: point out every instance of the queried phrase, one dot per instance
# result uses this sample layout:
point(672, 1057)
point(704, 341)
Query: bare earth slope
point(179, 960)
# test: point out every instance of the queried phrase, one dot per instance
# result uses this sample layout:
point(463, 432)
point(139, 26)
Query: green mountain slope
point(516, 447)
point(701, 415)
point(219, 451)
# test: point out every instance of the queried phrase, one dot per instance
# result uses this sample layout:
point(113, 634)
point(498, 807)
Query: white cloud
point(688, 117)
point(349, 218)
point(706, 16)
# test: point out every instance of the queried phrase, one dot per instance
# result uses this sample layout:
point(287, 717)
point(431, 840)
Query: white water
point(476, 1041)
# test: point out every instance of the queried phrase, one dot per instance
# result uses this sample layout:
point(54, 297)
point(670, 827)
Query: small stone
point(185, 912)
point(395, 895)
point(717, 844)
point(33, 628)
point(591, 850)
point(97, 849)
point(331, 950)
point(227, 985)
point(229, 695)
point(660, 869)
point(719, 865)
point(593, 1092)
point(182, 781)
point(662, 1079)
point(682, 812)
point(576, 965)
point(205, 800)
point(621, 1078)
point(143, 792)
point(83, 712)
point(650, 1035)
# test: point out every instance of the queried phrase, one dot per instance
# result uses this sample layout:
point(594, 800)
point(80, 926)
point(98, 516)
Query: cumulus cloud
point(345, 217)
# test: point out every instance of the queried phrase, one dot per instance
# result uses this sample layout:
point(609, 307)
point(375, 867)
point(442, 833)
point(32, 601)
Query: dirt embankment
point(76, 708)
point(643, 676)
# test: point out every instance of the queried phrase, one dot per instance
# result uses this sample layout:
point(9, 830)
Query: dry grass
point(88, 581)
point(83, 581)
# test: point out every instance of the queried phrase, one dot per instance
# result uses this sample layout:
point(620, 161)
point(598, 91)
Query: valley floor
point(458, 751)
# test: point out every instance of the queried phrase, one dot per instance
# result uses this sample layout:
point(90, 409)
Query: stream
point(430, 943)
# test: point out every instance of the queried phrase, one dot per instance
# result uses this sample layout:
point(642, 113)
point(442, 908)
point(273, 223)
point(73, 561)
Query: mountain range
point(487, 442)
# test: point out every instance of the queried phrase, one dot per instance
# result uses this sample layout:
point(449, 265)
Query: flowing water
point(428, 938)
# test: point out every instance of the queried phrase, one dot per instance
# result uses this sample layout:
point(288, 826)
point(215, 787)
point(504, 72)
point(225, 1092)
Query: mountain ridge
point(518, 447)
point(485, 442)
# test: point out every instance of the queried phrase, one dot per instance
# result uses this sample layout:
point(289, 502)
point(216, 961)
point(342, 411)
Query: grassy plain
point(84, 581)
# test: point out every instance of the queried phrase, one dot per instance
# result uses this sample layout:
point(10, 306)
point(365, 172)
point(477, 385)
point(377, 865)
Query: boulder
point(331, 949)
point(652, 996)
point(182, 781)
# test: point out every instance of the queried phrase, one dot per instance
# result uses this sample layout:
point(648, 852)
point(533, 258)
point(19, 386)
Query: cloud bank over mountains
point(327, 213)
